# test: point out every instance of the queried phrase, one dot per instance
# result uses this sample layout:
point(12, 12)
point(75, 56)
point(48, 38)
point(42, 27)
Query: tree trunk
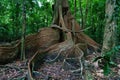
point(110, 37)
point(23, 32)
point(70, 37)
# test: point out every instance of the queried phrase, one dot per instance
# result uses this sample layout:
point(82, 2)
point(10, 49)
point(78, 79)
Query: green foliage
point(96, 20)
point(106, 59)
point(39, 14)
point(106, 69)
point(95, 17)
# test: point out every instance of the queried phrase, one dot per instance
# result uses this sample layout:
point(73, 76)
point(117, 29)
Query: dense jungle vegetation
point(39, 14)
point(60, 39)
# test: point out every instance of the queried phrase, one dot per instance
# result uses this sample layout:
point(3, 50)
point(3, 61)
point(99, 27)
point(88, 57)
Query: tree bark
point(110, 36)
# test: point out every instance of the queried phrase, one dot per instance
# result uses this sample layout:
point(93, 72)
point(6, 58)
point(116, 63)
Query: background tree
point(110, 33)
point(110, 41)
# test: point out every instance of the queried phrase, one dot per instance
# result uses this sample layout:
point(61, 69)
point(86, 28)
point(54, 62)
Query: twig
point(12, 67)
point(68, 63)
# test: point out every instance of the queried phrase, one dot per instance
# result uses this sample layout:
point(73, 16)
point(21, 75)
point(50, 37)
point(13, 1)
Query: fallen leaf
point(96, 64)
point(99, 71)
point(100, 75)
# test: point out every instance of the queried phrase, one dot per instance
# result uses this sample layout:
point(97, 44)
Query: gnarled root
point(59, 48)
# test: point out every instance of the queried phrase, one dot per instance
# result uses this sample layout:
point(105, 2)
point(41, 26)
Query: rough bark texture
point(109, 39)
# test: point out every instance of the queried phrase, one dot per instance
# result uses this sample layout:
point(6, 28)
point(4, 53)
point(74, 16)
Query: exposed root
point(57, 48)
point(8, 53)
point(78, 52)
point(68, 30)
point(65, 48)
point(53, 60)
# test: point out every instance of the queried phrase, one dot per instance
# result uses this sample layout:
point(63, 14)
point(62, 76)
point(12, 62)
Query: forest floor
point(58, 70)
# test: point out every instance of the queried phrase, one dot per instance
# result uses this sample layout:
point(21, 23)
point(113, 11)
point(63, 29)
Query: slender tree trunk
point(86, 13)
point(110, 37)
point(81, 12)
point(23, 32)
point(16, 19)
point(75, 8)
